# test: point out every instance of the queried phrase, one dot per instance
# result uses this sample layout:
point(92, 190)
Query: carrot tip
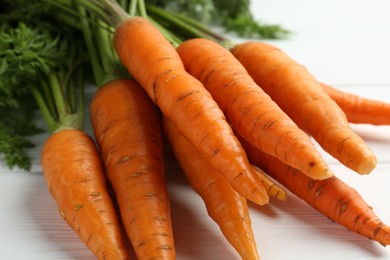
point(261, 199)
point(320, 172)
point(282, 196)
point(366, 168)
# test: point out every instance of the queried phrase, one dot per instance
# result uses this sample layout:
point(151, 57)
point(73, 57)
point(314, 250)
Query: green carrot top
point(41, 67)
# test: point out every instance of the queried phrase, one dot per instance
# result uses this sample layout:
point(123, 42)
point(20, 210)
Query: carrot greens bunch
point(27, 55)
point(36, 58)
point(17, 124)
point(231, 16)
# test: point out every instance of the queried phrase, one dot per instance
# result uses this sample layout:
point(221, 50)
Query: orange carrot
point(75, 178)
point(331, 197)
point(299, 94)
point(273, 189)
point(251, 112)
point(224, 205)
point(127, 128)
point(358, 109)
point(155, 64)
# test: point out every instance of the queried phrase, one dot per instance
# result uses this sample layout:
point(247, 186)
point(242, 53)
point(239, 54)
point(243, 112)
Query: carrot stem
point(70, 94)
point(133, 8)
point(177, 22)
point(44, 90)
point(87, 33)
point(45, 110)
point(142, 8)
point(108, 10)
point(80, 112)
point(200, 26)
point(98, 7)
point(58, 96)
point(100, 42)
point(123, 3)
point(172, 38)
point(104, 42)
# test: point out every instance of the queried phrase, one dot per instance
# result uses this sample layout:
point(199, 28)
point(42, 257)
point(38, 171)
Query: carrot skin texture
point(75, 178)
point(251, 112)
point(224, 205)
point(299, 94)
point(127, 127)
point(274, 190)
point(155, 64)
point(331, 197)
point(360, 110)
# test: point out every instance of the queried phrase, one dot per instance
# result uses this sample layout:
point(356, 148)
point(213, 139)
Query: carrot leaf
point(39, 69)
point(16, 125)
point(231, 16)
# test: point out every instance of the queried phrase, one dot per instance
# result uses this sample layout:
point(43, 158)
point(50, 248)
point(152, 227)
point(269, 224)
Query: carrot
point(358, 109)
point(273, 189)
point(127, 128)
point(155, 64)
point(224, 205)
point(299, 94)
point(75, 178)
point(331, 197)
point(251, 112)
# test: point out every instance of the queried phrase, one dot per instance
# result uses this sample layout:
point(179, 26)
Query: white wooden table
point(343, 43)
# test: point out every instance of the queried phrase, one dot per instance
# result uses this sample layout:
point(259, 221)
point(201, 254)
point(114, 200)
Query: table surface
point(343, 43)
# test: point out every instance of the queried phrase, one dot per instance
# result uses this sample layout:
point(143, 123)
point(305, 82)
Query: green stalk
point(88, 38)
point(185, 24)
point(123, 3)
point(47, 115)
point(172, 20)
point(106, 52)
point(191, 22)
point(80, 112)
point(172, 38)
point(108, 10)
point(99, 8)
point(47, 96)
point(58, 97)
point(63, 82)
point(133, 8)
point(70, 94)
point(142, 8)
